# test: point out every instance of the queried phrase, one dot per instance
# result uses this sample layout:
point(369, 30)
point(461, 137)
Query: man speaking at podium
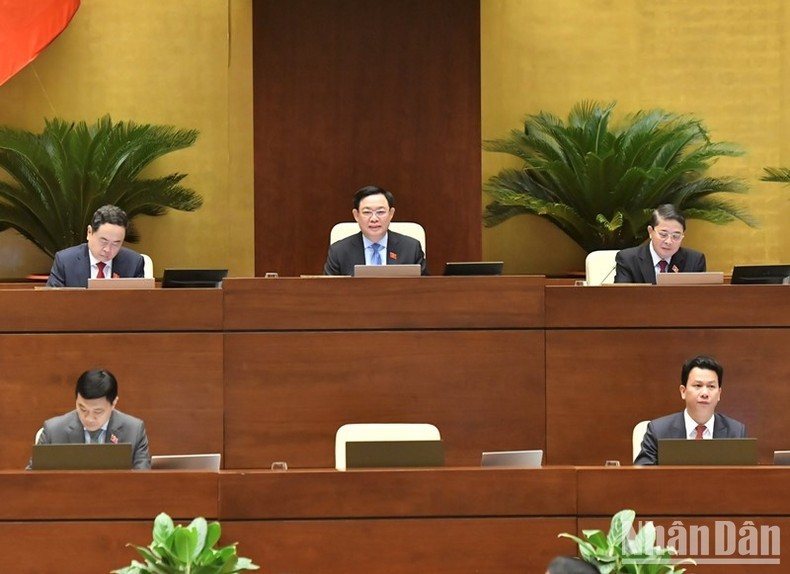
point(103, 256)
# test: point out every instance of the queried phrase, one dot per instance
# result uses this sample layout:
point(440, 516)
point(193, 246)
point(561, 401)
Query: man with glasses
point(662, 254)
point(374, 244)
point(103, 256)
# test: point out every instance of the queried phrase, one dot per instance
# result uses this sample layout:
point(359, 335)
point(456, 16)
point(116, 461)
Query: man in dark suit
point(700, 386)
point(374, 244)
point(103, 255)
point(662, 254)
point(96, 419)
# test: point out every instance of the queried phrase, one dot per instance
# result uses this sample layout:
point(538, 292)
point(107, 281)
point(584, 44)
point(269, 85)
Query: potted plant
point(187, 549)
point(600, 184)
point(55, 180)
point(617, 553)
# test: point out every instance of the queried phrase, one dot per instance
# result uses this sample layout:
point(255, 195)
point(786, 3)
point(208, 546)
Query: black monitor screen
point(760, 274)
point(193, 278)
point(473, 268)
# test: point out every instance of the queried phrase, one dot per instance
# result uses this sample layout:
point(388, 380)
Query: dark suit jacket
point(635, 264)
point(72, 266)
point(126, 428)
point(674, 426)
point(401, 250)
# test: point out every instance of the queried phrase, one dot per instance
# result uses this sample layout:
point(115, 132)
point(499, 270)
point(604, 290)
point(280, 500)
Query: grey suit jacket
point(674, 426)
point(635, 264)
point(401, 250)
point(126, 428)
point(72, 266)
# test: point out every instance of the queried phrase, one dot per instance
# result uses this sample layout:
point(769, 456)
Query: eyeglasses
point(664, 235)
point(379, 213)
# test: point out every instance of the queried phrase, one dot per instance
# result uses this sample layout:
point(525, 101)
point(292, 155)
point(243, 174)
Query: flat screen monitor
point(173, 278)
point(761, 274)
point(394, 453)
point(473, 267)
point(690, 278)
point(406, 270)
point(208, 461)
point(81, 456)
point(122, 283)
point(513, 458)
point(717, 451)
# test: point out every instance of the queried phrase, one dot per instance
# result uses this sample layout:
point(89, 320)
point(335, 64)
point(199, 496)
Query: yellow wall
point(722, 60)
point(186, 63)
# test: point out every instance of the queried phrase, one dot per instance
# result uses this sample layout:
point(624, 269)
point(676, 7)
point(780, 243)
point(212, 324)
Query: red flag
point(27, 27)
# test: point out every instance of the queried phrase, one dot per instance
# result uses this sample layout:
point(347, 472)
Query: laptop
point(195, 278)
point(473, 267)
point(394, 453)
point(719, 451)
point(782, 457)
point(513, 458)
point(122, 283)
point(80, 456)
point(408, 270)
point(690, 278)
point(761, 274)
point(210, 461)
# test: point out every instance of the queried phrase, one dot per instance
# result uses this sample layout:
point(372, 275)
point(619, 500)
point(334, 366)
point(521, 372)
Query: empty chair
point(148, 266)
point(636, 438)
point(600, 267)
point(408, 228)
point(361, 432)
point(38, 435)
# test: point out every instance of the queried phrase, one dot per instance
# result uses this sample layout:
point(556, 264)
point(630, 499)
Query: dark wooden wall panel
point(355, 92)
point(287, 393)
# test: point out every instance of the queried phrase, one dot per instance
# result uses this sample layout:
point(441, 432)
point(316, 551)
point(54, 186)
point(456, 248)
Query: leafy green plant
point(186, 549)
point(600, 184)
point(58, 178)
point(616, 553)
point(778, 174)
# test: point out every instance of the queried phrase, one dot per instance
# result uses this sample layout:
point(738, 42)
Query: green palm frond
point(780, 174)
point(55, 180)
point(600, 184)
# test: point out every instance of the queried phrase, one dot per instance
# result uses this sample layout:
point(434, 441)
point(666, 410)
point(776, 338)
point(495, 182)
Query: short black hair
point(667, 211)
point(364, 192)
point(111, 214)
point(701, 362)
point(570, 565)
point(97, 383)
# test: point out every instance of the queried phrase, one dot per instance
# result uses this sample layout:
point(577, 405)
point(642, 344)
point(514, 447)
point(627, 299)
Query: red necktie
point(662, 266)
point(101, 265)
point(700, 429)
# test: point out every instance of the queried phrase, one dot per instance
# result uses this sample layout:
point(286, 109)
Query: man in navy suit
point(700, 386)
point(95, 419)
point(662, 254)
point(374, 244)
point(103, 255)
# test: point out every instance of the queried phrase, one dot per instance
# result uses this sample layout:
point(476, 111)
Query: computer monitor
point(473, 267)
point(760, 274)
point(394, 453)
point(173, 278)
point(81, 456)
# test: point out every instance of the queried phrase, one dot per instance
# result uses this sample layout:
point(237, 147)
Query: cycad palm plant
point(58, 178)
point(600, 184)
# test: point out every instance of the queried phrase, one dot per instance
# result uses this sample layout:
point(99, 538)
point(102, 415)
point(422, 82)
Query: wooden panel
point(398, 493)
point(650, 306)
point(600, 383)
point(353, 92)
point(406, 303)
point(80, 310)
point(404, 546)
point(173, 381)
point(287, 393)
point(104, 495)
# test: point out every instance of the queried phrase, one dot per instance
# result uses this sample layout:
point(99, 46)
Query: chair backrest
point(148, 266)
point(600, 267)
point(409, 228)
point(360, 432)
point(38, 435)
point(636, 438)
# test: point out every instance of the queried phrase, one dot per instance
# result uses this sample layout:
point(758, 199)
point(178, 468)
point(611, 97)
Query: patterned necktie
point(375, 259)
point(101, 265)
point(700, 429)
point(663, 266)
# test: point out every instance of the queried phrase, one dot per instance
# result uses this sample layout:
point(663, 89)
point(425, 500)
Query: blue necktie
point(375, 259)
